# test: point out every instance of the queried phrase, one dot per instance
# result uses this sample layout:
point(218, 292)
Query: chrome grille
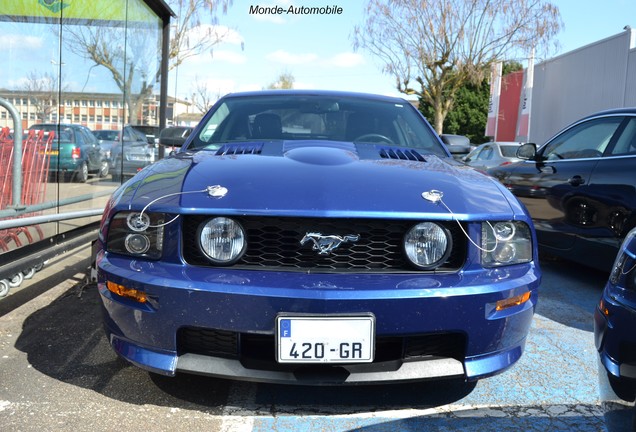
point(274, 243)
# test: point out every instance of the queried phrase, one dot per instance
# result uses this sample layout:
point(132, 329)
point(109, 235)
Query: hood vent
point(401, 154)
point(240, 149)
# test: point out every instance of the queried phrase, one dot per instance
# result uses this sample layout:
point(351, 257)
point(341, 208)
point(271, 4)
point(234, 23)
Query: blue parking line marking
point(471, 420)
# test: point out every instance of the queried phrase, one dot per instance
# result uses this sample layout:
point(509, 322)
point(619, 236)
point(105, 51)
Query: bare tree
point(43, 90)
point(443, 44)
point(203, 98)
point(130, 55)
point(285, 81)
point(185, 42)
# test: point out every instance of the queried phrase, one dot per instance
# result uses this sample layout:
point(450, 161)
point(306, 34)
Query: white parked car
point(493, 154)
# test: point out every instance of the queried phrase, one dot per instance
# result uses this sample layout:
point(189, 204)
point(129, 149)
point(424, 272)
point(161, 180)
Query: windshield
point(111, 135)
point(509, 150)
point(318, 118)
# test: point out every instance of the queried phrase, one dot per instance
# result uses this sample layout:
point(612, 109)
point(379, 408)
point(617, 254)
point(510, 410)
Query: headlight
point(427, 245)
point(505, 243)
point(222, 240)
point(136, 234)
point(624, 269)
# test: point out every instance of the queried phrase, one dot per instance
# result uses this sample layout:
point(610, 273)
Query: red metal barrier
point(36, 148)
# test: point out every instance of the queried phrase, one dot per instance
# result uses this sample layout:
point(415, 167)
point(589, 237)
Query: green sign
point(84, 10)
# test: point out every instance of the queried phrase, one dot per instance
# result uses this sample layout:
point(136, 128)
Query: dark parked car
point(316, 238)
point(130, 153)
point(493, 154)
point(150, 132)
point(76, 152)
point(580, 187)
point(615, 322)
point(174, 136)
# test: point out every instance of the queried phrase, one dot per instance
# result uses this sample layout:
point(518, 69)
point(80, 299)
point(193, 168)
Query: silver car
point(493, 154)
point(131, 154)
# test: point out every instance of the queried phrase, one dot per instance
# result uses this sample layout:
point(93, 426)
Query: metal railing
point(17, 161)
point(20, 263)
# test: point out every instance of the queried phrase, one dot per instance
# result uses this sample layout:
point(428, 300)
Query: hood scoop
point(321, 153)
point(240, 149)
point(400, 153)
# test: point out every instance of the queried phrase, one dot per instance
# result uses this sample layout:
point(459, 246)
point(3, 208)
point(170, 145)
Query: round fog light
point(222, 240)
point(427, 245)
point(137, 243)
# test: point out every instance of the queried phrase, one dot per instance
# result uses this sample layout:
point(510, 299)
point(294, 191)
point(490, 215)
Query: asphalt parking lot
point(58, 373)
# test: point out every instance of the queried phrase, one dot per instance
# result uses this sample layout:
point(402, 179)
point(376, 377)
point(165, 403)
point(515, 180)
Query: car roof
point(337, 93)
point(624, 110)
point(55, 125)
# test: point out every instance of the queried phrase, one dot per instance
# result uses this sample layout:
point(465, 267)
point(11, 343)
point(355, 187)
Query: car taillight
point(76, 153)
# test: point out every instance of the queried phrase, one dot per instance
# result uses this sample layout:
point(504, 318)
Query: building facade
point(93, 110)
point(566, 88)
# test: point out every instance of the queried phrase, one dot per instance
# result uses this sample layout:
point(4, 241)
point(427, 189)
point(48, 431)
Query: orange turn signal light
point(512, 301)
point(604, 310)
point(138, 296)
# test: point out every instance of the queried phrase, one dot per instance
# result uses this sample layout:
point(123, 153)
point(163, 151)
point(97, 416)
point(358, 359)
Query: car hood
point(317, 179)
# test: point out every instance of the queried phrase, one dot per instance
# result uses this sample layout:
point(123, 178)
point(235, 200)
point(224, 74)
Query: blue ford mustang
point(316, 238)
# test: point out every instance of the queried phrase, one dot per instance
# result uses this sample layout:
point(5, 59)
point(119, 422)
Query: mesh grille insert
point(274, 242)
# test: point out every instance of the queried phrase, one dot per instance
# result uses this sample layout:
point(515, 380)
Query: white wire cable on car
point(216, 191)
point(435, 196)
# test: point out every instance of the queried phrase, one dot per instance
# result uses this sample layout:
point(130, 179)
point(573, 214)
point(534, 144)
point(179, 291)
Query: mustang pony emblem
point(325, 244)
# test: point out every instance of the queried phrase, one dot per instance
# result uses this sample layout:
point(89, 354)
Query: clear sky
point(317, 49)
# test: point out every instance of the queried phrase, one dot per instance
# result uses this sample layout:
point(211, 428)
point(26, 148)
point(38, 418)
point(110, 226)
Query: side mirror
point(458, 149)
point(527, 151)
point(457, 145)
point(174, 136)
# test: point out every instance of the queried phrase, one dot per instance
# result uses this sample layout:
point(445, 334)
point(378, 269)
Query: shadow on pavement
point(65, 340)
point(569, 293)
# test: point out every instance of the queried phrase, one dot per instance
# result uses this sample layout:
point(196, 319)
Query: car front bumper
point(450, 309)
point(614, 337)
point(64, 164)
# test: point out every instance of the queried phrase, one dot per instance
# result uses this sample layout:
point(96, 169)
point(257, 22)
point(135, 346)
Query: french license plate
point(52, 152)
point(335, 339)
